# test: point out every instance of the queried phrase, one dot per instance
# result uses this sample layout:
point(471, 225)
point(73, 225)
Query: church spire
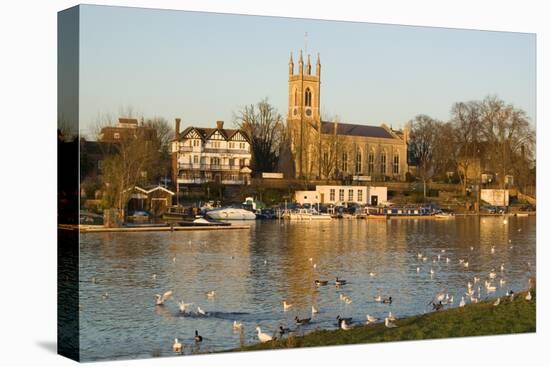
point(318, 66)
point(301, 64)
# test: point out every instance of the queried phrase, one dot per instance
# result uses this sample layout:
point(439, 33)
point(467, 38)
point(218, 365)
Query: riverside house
point(203, 155)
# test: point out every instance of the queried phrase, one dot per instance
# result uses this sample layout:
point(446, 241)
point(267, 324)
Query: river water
point(252, 271)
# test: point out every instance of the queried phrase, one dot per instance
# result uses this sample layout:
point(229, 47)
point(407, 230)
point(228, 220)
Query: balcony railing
point(208, 167)
point(187, 180)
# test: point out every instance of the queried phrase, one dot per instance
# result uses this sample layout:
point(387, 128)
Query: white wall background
point(28, 255)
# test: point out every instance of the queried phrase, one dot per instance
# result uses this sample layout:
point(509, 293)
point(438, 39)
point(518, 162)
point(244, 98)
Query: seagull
point(438, 257)
point(344, 325)
point(176, 347)
point(154, 276)
point(105, 296)
point(371, 319)
point(174, 259)
point(198, 338)
point(424, 258)
point(183, 306)
point(161, 299)
point(390, 317)
point(460, 261)
point(211, 294)
point(372, 274)
point(418, 269)
point(502, 267)
point(492, 274)
point(491, 289)
point(462, 302)
point(466, 264)
point(471, 248)
point(310, 259)
point(432, 271)
point(378, 298)
point(264, 338)
point(314, 310)
point(476, 279)
point(265, 262)
point(388, 323)
point(201, 311)
point(447, 260)
point(443, 250)
point(497, 302)
point(286, 306)
point(314, 266)
point(502, 282)
point(528, 297)
point(492, 249)
point(237, 325)
point(419, 255)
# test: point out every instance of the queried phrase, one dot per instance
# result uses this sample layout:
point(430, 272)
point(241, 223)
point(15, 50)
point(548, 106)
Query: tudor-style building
point(202, 155)
point(335, 150)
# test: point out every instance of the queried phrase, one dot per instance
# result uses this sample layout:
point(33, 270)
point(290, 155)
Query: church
point(332, 149)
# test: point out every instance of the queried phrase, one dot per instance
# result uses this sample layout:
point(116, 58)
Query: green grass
point(517, 316)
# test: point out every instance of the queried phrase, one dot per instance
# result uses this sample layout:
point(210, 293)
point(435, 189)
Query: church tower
point(304, 118)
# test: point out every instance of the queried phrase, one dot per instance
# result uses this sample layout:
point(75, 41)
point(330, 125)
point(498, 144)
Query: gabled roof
point(327, 127)
point(205, 133)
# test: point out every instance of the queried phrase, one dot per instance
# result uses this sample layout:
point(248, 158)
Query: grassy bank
point(517, 316)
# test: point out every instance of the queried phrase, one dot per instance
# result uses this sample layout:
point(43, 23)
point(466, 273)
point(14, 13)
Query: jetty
point(99, 228)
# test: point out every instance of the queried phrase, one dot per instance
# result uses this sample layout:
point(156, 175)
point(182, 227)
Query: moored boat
point(231, 214)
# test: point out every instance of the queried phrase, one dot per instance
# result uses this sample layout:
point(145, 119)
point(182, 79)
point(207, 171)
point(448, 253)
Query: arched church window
point(308, 97)
point(396, 164)
point(371, 163)
point(358, 158)
point(383, 163)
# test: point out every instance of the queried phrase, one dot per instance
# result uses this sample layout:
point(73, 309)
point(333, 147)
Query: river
point(252, 271)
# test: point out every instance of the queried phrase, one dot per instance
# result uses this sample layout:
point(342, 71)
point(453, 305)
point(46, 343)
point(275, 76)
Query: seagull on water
point(201, 311)
point(371, 319)
point(264, 338)
point(314, 310)
point(211, 294)
point(161, 299)
point(237, 325)
point(286, 306)
point(183, 306)
point(372, 274)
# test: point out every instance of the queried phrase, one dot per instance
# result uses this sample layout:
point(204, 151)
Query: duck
point(497, 302)
point(462, 302)
point(339, 281)
point(346, 319)
point(510, 295)
point(211, 294)
point(371, 319)
point(283, 330)
point(198, 338)
point(528, 297)
point(264, 338)
point(378, 299)
point(344, 325)
point(388, 323)
point(388, 300)
point(437, 306)
point(302, 321)
point(321, 282)
point(237, 325)
point(286, 306)
point(176, 347)
point(161, 299)
point(314, 310)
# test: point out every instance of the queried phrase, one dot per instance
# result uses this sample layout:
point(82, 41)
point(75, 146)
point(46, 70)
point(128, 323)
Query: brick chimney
point(219, 124)
point(178, 121)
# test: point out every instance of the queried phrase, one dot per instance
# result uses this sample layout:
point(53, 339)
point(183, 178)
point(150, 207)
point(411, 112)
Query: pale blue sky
point(204, 67)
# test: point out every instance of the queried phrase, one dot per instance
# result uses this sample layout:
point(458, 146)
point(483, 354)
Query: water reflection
point(253, 271)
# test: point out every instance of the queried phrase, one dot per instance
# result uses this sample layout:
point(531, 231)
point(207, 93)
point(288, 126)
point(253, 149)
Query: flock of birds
point(490, 284)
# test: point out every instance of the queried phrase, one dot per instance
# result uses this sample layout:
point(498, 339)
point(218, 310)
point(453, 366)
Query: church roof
point(327, 127)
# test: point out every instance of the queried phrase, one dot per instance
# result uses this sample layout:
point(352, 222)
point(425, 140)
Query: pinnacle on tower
point(301, 64)
point(318, 66)
point(308, 67)
point(291, 65)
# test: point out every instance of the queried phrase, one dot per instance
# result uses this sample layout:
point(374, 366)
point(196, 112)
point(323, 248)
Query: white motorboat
point(231, 214)
point(306, 214)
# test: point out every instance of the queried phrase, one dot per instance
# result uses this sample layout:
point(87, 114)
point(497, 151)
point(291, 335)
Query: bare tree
point(265, 127)
point(422, 145)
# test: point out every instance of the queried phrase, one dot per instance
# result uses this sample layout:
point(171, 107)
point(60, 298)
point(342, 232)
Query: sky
point(205, 67)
